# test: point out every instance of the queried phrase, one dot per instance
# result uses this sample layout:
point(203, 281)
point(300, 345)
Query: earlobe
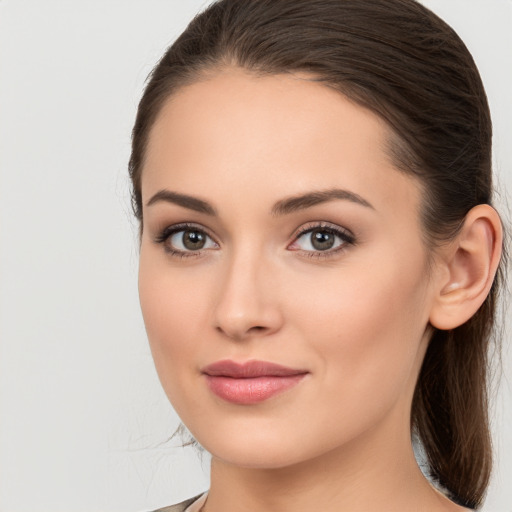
point(469, 265)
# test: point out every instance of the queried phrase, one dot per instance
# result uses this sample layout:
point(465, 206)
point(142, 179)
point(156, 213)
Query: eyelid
point(311, 226)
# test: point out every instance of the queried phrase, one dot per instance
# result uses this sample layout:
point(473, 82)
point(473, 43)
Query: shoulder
point(180, 507)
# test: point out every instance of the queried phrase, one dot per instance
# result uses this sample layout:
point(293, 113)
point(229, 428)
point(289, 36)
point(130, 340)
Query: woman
point(320, 258)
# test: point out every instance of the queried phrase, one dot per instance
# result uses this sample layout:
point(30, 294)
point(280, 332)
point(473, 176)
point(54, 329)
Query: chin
point(258, 458)
point(250, 449)
point(255, 448)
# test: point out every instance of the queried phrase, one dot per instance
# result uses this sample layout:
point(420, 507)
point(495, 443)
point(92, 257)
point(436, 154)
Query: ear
point(466, 268)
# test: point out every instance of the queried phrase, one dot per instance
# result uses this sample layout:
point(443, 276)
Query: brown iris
point(321, 239)
point(193, 240)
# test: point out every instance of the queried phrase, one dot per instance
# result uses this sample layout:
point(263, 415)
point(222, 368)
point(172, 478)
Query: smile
point(251, 382)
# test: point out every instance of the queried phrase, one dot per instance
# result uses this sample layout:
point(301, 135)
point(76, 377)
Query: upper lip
point(228, 368)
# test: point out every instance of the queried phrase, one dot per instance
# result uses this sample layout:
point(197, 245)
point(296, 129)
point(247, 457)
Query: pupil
point(322, 240)
point(193, 240)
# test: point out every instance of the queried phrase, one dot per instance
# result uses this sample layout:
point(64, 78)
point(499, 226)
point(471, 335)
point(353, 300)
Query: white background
point(83, 421)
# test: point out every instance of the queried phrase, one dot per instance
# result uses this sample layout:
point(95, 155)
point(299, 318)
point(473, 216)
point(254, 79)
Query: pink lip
point(250, 382)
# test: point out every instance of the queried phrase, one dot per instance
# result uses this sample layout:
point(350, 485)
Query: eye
point(322, 238)
point(185, 240)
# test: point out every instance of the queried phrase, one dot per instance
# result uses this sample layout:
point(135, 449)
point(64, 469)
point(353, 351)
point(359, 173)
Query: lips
point(251, 382)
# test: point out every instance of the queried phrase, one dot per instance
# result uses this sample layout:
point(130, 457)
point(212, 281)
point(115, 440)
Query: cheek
point(366, 322)
point(172, 307)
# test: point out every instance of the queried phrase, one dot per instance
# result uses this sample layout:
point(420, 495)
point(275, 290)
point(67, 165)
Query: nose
point(247, 302)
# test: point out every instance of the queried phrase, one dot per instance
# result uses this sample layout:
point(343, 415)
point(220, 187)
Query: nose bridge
point(246, 302)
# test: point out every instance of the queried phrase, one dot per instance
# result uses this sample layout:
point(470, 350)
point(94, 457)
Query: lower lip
point(251, 390)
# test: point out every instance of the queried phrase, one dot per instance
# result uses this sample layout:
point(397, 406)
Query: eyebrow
point(282, 207)
point(303, 201)
point(190, 202)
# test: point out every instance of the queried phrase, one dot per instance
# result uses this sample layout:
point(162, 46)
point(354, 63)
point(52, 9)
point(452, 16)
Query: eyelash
point(346, 236)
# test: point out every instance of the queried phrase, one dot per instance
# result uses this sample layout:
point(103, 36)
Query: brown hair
point(398, 59)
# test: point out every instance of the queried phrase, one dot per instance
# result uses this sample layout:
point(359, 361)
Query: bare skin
point(356, 317)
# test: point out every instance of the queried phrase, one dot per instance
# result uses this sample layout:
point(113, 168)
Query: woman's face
point(277, 230)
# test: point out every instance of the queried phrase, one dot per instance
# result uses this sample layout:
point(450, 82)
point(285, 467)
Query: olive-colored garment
point(180, 507)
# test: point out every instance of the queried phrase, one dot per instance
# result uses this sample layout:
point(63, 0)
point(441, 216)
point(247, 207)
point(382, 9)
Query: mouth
point(251, 382)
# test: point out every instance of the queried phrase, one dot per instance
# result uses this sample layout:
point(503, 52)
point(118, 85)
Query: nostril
point(257, 328)
point(241, 333)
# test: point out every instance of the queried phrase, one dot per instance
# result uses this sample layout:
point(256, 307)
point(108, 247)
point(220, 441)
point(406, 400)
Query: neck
point(376, 472)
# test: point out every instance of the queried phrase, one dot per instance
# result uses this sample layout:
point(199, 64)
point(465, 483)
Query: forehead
point(235, 132)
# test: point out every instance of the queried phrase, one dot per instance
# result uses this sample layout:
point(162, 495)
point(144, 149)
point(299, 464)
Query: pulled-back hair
point(398, 59)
